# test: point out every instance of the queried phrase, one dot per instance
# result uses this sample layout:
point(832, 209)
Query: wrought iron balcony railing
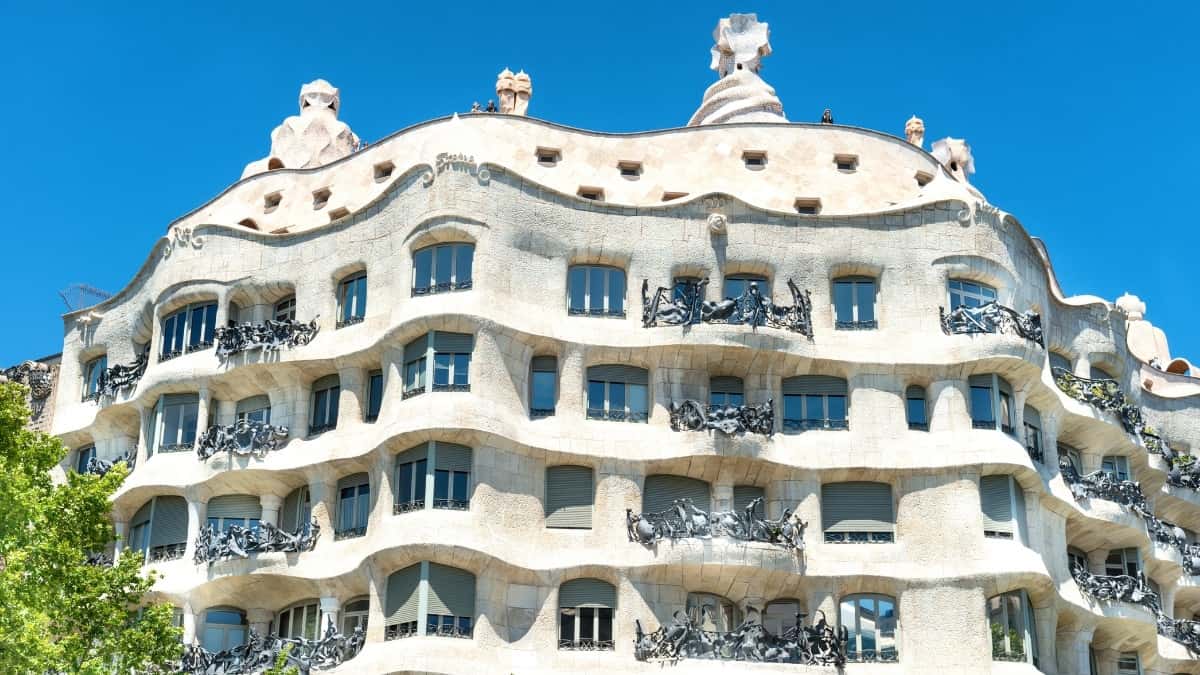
point(617, 415)
point(100, 467)
point(349, 321)
point(1102, 485)
point(409, 629)
point(260, 653)
point(350, 533)
point(1103, 395)
point(166, 552)
point(992, 318)
point(686, 307)
point(885, 655)
point(408, 506)
point(586, 645)
point(691, 415)
point(856, 325)
point(685, 520)
point(170, 448)
point(1122, 588)
point(796, 425)
point(239, 542)
point(269, 336)
point(451, 387)
point(859, 537)
point(452, 504)
point(540, 413)
point(1184, 631)
point(818, 644)
point(1170, 534)
point(596, 311)
point(443, 287)
point(243, 438)
point(199, 346)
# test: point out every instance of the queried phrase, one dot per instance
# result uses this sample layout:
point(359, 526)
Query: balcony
point(813, 424)
point(617, 415)
point(446, 386)
point(171, 448)
point(818, 644)
point(1105, 395)
point(100, 467)
point(686, 307)
point(1121, 588)
point(684, 520)
point(259, 653)
point(992, 318)
point(199, 346)
point(240, 542)
point(350, 533)
point(166, 552)
point(1170, 534)
point(443, 287)
point(349, 321)
point(243, 438)
point(597, 312)
point(691, 415)
point(409, 629)
point(268, 336)
point(856, 325)
point(1102, 485)
point(586, 645)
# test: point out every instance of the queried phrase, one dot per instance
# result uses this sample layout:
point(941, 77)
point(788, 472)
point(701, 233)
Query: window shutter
point(142, 515)
point(413, 454)
point(170, 521)
point(744, 494)
point(544, 364)
point(1019, 509)
point(1005, 387)
point(180, 399)
point(291, 504)
point(253, 403)
point(1032, 416)
point(453, 457)
point(569, 497)
point(1060, 361)
point(914, 391)
point(326, 382)
point(996, 503)
point(980, 381)
point(451, 591)
point(235, 506)
point(457, 343)
point(662, 490)
point(857, 507)
point(618, 373)
point(726, 384)
point(352, 480)
point(402, 596)
point(416, 349)
point(815, 385)
point(587, 593)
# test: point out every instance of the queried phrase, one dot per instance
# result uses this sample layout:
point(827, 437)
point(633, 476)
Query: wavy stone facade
point(948, 583)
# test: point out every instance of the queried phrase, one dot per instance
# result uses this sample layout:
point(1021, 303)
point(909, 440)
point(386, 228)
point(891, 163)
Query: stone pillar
point(661, 392)
point(393, 376)
point(352, 381)
point(189, 624)
point(384, 492)
point(260, 620)
point(722, 497)
point(820, 600)
point(302, 409)
point(121, 527)
point(572, 376)
point(202, 413)
point(1096, 560)
point(1019, 398)
point(222, 307)
point(197, 513)
point(944, 641)
point(1072, 650)
point(270, 508)
point(1083, 365)
point(145, 419)
point(226, 413)
point(329, 614)
point(948, 406)
point(1045, 621)
point(1050, 426)
point(377, 595)
point(322, 491)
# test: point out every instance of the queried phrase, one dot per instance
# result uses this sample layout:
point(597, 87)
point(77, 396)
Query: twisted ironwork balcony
point(1123, 588)
point(199, 346)
point(443, 287)
point(409, 629)
point(617, 415)
point(586, 645)
point(992, 318)
point(596, 311)
point(269, 336)
point(451, 387)
point(260, 653)
point(166, 552)
point(1170, 534)
point(408, 506)
point(240, 542)
point(1102, 485)
point(171, 448)
point(349, 321)
point(796, 425)
point(691, 415)
point(452, 504)
point(243, 438)
point(1184, 631)
point(685, 520)
point(856, 325)
point(1103, 395)
point(818, 644)
point(350, 533)
point(100, 467)
point(859, 537)
point(749, 309)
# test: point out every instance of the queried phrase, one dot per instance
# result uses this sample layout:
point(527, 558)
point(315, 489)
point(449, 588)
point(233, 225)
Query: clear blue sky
point(118, 119)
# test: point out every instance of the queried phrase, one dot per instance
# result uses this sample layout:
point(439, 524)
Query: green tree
point(58, 613)
point(281, 666)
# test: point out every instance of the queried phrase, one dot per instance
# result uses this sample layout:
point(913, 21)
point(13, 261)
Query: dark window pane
point(419, 480)
point(814, 407)
point(441, 484)
point(464, 261)
point(404, 483)
point(566, 625)
point(575, 288)
point(843, 301)
point(595, 395)
point(360, 297)
point(443, 264)
point(441, 369)
point(587, 619)
point(981, 405)
point(423, 268)
point(616, 396)
point(916, 411)
point(375, 397)
point(462, 369)
point(606, 620)
point(638, 402)
point(544, 394)
point(792, 407)
point(459, 492)
point(865, 297)
point(596, 278)
point(616, 291)
point(836, 408)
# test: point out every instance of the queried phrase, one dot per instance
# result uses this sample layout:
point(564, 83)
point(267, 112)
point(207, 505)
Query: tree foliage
point(58, 613)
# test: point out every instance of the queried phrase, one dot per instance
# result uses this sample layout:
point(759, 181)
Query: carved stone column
point(1096, 560)
point(572, 374)
point(260, 620)
point(351, 397)
point(377, 595)
point(270, 508)
point(201, 414)
point(1072, 650)
point(393, 375)
point(197, 506)
point(189, 624)
point(145, 419)
point(329, 614)
point(948, 406)
point(385, 493)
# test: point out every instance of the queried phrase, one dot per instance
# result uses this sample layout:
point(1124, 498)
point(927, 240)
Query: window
point(631, 170)
point(272, 201)
point(442, 268)
point(726, 391)
point(846, 162)
point(321, 198)
point(352, 300)
point(1122, 562)
point(923, 178)
point(969, 294)
point(569, 497)
point(617, 393)
point(1033, 433)
point(285, 309)
point(159, 529)
point(224, 629)
point(713, 613)
point(381, 172)
point(989, 394)
point(548, 156)
point(737, 285)
point(854, 303)
point(354, 616)
point(175, 422)
point(590, 192)
point(296, 514)
point(916, 408)
point(451, 477)
point(354, 506)
point(416, 353)
point(1060, 361)
point(301, 620)
point(595, 290)
point(857, 513)
point(228, 510)
point(661, 491)
point(755, 160)
point(1128, 663)
point(1010, 619)
point(254, 409)
point(807, 206)
point(189, 329)
point(814, 402)
point(92, 372)
point(1116, 466)
point(451, 363)
point(1003, 504)
point(870, 623)
point(585, 614)
point(1076, 559)
point(448, 593)
point(325, 394)
point(780, 616)
point(543, 386)
point(374, 395)
point(84, 457)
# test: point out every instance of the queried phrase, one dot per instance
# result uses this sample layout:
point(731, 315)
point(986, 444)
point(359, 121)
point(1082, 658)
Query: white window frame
point(982, 294)
point(595, 642)
point(338, 529)
point(187, 346)
point(452, 371)
point(1124, 666)
point(332, 408)
point(629, 413)
point(1120, 467)
point(607, 295)
point(857, 630)
point(432, 287)
point(352, 618)
point(1028, 621)
point(160, 427)
point(285, 309)
point(297, 614)
point(1126, 557)
point(349, 311)
point(856, 323)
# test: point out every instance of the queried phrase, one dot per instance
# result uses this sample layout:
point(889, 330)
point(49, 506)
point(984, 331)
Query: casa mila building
point(493, 394)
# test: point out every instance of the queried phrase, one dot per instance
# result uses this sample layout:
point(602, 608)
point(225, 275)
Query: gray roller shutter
point(457, 343)
point(1005, 387)
point(1032, 416)
point(403, 598)
point(413, 454)
point(326, 382)
point(416, 349)
point(170, 521)
point(1060, 361)
point(569, 497)
point(453, 457)
point(662, 490)
point(980, 381)
point(253, 403)
point(815, 385)
point(352, 480)
point(291, 505)
point(1019, 508)
point(142, 515)
point(744, 494)
point(618, 373)
point(914, 391)
point(996, 502)
point(857, 507)
point(587, 593)
point(179, 399)
point(451, 591)
point(726, 384)
point(235, 506)
point(544, 364)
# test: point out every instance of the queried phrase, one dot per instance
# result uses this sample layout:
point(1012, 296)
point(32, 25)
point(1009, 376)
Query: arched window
point(448, 464)
point(814, 402)
point(447, 592)
point(92, 372)
point(1010, 621)
point(254, 409)
point(661, 491)
point(352, 299)
point(442, 267)
point(726, 391)
point(916, 408)
point(857, 512)
point(325, 394)
point(229, 510)
point(297, 511)
point(854, 303)
point(617, 393)
point(991, 403)
point(965, 293)
point(450, 360)
point(595, 290)
point(224, 629)
point(354, 616)
point(870, 622)
point(585, 614)
point(1003, 502)
point(301, 620)
point(543, 386)
point(780, 616)
point(713, 613)
point(569, 497)
point(188, 329)
point(159, 528)
point(354, 506)
point(175, 420)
